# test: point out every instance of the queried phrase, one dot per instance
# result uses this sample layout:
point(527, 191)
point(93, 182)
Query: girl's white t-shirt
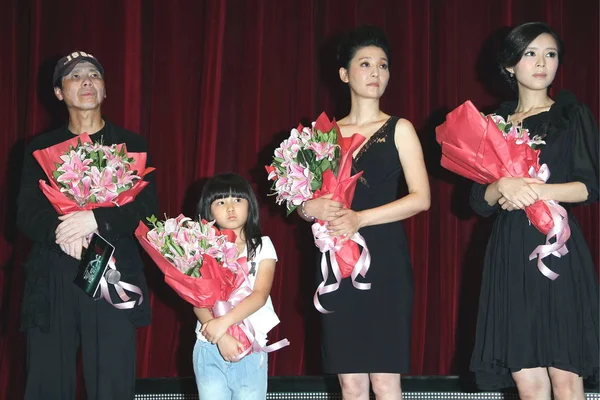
point(264, 319)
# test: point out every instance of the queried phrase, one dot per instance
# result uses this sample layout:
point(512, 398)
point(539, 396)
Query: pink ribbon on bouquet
point(561, 229)
point(113, 277)
point(223, 307)
point(327, 243)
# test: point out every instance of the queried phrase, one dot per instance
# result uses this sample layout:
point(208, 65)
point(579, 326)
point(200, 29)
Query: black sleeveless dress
point(526, 320)
point(369, 331)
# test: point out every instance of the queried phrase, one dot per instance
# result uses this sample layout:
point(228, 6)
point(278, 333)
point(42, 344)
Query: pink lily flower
point(73, 167)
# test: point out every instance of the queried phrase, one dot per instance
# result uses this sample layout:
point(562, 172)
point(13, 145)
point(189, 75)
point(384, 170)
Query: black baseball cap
point(68, 62)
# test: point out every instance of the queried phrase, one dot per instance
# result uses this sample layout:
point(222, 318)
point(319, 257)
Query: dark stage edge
point(321, 388)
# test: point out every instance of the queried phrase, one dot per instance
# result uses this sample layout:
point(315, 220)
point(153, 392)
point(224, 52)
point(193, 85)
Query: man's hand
point(76, 225)
point(75, 248)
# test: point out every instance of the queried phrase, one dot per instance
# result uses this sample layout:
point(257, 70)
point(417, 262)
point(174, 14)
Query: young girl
point(539, 333)
point(229, 200)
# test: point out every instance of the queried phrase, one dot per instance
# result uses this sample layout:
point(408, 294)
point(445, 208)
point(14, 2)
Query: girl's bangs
point(223, 190)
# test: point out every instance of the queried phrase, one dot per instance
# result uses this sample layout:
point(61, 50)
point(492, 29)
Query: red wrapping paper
point(475, 148)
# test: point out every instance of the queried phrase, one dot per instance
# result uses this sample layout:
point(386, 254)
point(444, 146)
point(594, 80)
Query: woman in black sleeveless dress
point(367, 337)
point(539, 333)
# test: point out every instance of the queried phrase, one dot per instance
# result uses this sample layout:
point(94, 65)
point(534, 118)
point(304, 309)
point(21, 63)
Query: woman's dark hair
point(233, 185)
point(516, 43)
point(362, 36)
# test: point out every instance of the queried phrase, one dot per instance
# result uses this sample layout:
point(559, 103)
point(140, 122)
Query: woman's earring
point(511, 75)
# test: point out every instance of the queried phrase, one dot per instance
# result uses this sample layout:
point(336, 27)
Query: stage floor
point(327, 388)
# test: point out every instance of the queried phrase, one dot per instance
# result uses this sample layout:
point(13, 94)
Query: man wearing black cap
point(58, 316)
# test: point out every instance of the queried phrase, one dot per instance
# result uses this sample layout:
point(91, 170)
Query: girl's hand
point(229, 347)
point(518, 191)
point(214, 329)
point(322, 208)
point(346, 224)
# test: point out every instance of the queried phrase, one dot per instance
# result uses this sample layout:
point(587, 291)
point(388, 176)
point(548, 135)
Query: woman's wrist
point(538, 188)
point(492, 193)
point(362, 219)
point(304, 213)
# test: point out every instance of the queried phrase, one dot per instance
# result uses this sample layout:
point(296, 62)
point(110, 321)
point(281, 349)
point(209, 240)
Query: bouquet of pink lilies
point(84, 175)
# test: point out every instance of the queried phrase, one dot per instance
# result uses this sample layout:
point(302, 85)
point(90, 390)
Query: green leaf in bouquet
point(203, 243)
point(174, 246)
point(153, 220)
point(277, 166)
point(314, 169)
point(333, 136)
point(194, 272)
point(315, 185)
point(335, 165)
point(290, 210)
point(94, 157)
point(325, 165)
point(304, 157)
